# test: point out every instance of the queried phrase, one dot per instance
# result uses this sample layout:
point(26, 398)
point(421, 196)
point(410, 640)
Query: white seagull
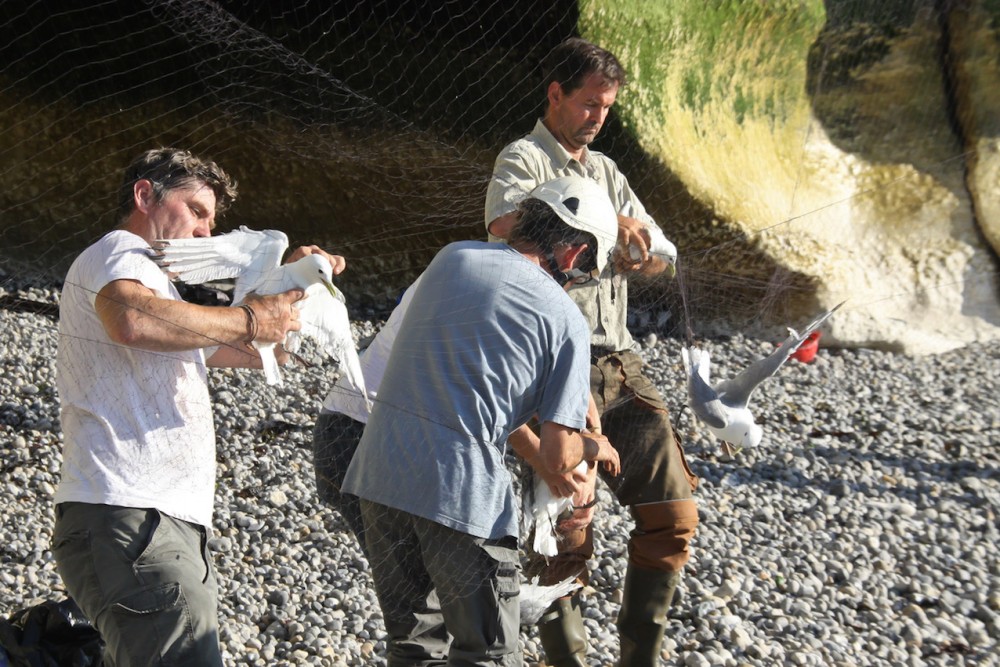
point(254, 259)
point(540, 509)
point(724, 408)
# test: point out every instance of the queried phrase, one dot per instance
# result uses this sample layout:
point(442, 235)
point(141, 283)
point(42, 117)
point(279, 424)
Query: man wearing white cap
point(489, 341)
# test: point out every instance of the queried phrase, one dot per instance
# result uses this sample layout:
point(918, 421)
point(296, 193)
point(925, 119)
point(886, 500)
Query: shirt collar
point(554, 149)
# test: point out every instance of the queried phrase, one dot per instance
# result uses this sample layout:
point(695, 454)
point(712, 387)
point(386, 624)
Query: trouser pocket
point(140, 576)
point(507, 583)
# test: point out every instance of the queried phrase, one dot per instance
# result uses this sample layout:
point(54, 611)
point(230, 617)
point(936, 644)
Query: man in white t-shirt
point(134, 505)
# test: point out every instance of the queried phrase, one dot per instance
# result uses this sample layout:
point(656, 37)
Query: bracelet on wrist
point(251, 324)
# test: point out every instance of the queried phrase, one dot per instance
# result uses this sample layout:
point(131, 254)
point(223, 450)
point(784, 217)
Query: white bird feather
point(535, 599)
point(253, 259)
point(658, 246)
point(725, 407)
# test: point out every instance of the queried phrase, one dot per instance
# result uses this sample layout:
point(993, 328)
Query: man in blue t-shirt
point(490, 340)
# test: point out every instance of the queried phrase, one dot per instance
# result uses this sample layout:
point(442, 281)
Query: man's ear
point(554, 93)
point(143, 195)
point(570, 256)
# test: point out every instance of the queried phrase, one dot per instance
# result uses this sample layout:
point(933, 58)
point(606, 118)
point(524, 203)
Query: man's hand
point(631, 234)
point(584, 502)
point(563, 485)
point(598, 448)
point(276, 314)
point(635, 250)
point(336, 261)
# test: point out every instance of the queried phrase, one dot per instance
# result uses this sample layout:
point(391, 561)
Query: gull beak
point(336, 293)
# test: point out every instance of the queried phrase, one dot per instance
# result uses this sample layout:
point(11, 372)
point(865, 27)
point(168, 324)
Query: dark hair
point(572, 61)
point(539, 226)
point(172, 168)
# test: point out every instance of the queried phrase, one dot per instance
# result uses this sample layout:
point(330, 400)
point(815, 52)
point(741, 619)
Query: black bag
point(51, 634)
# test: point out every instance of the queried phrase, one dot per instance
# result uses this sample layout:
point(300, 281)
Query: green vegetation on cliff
point(694, 55)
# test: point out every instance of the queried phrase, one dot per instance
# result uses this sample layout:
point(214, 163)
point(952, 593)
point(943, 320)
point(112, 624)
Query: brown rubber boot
point(643, 617)
point(563, 634)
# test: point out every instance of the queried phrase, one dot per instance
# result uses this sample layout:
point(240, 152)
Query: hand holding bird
point(253, 259)
point(541, 510)
point(638, 236)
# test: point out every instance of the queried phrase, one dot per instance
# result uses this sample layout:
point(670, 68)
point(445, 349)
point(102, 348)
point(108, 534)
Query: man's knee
point(663, 532)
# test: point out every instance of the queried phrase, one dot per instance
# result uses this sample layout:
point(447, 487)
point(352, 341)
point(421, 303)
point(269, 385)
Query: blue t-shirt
point(488, 341)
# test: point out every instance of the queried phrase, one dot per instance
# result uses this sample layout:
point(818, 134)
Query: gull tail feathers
point(272, 371)
point(546, 542)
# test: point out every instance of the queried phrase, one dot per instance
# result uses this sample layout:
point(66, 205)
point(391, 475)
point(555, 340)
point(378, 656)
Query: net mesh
point(370, 129)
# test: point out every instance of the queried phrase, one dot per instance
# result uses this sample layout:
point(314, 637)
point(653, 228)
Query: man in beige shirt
point(582, 82)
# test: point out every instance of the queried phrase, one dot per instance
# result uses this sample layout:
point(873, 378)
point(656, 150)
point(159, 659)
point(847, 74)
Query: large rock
point(974, 47)
point(827, 135)
point(799, 153)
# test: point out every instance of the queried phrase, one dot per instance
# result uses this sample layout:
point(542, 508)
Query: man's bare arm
point(562, 448)
point(134, 315)
point(526, 444)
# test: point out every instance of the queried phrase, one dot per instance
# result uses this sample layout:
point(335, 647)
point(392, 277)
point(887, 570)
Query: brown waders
point(656, 484)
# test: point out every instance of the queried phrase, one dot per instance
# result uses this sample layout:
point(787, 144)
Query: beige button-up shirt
point(539, 157)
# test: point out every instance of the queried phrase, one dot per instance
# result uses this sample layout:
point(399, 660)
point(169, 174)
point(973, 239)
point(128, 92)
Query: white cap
point(583, 204)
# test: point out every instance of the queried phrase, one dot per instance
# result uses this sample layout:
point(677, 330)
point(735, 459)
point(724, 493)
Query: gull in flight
point(724, 407)
point(254, 259)
point(541, 510)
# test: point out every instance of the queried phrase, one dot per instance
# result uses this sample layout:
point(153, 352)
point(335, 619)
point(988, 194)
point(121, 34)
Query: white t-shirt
point(345, 397)
point(137, 425)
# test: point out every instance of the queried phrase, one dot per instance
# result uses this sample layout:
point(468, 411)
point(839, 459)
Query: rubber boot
point(643, 617)
point(563, 634)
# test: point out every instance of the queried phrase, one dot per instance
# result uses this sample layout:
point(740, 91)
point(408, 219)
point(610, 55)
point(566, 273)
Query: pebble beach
point(862, 531)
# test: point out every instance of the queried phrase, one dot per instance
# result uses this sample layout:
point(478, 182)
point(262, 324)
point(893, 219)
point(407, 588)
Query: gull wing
point(535, 598)
point(244, 254)
point(812, 326)
point(736, 391)
point(704, 400)
point(325, 319)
